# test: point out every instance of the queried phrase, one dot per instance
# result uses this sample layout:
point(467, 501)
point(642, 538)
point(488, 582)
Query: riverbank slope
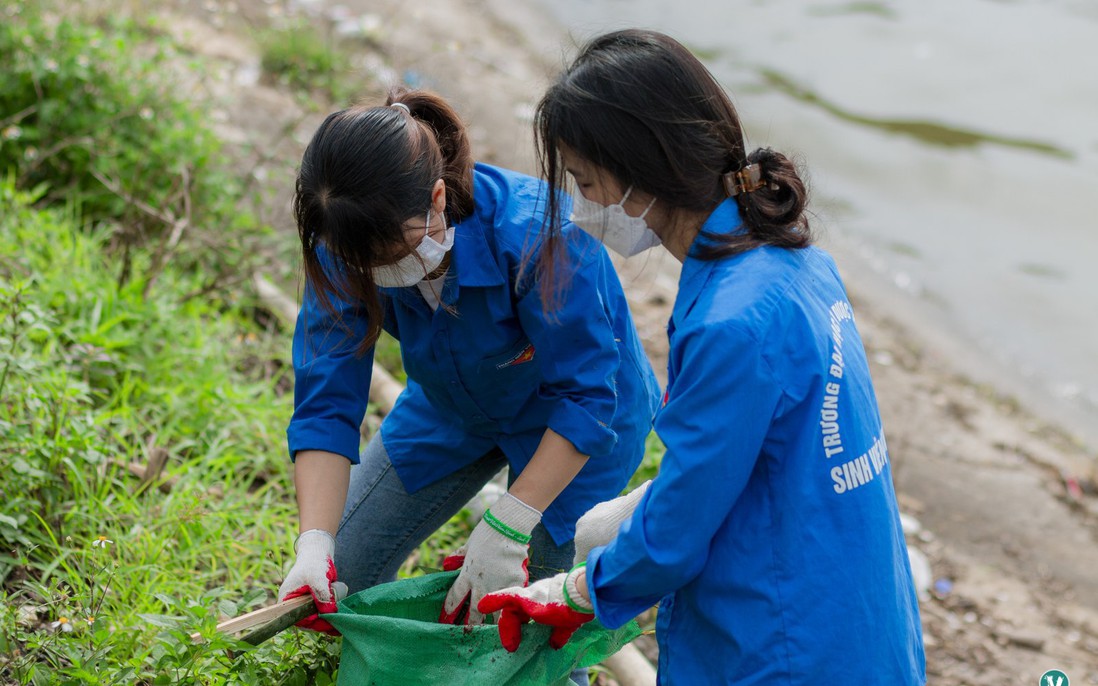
point(1003, 505)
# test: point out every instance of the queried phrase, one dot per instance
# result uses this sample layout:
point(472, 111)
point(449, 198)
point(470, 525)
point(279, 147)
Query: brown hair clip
point(745, 180)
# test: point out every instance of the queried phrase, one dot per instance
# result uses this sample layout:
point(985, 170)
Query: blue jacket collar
point(474, 259)
point(695, 272)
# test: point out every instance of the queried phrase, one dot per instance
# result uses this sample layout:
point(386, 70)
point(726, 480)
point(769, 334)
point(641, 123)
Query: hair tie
point(746, 180)
point(401, 106)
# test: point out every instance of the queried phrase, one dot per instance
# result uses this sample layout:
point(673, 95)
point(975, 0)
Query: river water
point(952, 149)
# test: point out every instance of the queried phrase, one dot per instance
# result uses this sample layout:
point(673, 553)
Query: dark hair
point(641, 106)
point(366, 171)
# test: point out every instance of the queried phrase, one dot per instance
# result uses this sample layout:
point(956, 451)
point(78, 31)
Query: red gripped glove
point(554, 602)
point(314, 573)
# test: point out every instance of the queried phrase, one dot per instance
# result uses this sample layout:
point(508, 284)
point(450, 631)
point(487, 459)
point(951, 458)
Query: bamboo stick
point(286, 612)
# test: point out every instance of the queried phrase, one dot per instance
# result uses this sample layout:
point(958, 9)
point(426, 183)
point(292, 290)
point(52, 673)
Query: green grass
point(650, 465)
point(301, 57)
point(92, 115)
point(94, 374)
point(119, 336)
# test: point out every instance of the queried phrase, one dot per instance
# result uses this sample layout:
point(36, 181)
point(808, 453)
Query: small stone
point(1021, 639)
point(28, 615)
point(910, 525)
point(921, 572)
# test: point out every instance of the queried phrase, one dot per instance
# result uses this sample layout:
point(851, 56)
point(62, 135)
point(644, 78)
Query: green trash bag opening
point(391, 636)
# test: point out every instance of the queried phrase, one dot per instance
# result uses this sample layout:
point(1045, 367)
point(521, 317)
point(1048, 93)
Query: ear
point(438, 197)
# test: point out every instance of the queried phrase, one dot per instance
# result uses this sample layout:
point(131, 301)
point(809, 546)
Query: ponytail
point(773, 207)
point(776, 212)
point(445, 125)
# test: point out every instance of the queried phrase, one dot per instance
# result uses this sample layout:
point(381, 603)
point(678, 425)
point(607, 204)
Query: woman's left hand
point(494, 558)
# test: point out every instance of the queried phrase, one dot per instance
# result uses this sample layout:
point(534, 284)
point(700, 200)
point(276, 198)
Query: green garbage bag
point(391, 635)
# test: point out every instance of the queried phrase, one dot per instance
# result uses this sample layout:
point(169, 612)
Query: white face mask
point(413, 267)
point(618, 231)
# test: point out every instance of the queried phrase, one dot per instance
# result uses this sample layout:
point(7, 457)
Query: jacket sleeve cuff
point(590, 436)
point(610, 614)
point(332, 436)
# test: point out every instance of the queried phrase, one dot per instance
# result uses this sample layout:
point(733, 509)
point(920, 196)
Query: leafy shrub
point(92, 374)
point(110, 182)
point(96, 118)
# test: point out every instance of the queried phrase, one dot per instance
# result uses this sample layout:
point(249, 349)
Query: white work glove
point(314, 573)
point(494, 558)
point(600, 524)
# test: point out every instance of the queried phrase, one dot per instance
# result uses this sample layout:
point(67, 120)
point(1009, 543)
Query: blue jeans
point(382, 523)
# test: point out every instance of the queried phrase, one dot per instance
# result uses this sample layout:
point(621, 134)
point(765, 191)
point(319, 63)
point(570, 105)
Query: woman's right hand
point(314, 573)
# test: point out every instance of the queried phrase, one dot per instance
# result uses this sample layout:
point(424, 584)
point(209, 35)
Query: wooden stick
point(158, 459)
point(630, 667)
point(286, 612)
point(164, 484)
point(268, 630)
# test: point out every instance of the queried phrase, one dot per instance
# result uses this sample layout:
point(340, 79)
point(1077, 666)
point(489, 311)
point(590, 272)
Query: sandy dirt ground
point(1000, 506)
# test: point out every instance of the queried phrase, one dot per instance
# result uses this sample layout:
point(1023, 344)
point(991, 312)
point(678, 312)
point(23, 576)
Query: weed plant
point(103, 581)
point(307, 60)
point(92, 115)
point(123, 331)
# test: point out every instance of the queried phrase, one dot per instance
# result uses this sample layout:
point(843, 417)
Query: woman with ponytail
point(401, 231)
point(771, 537)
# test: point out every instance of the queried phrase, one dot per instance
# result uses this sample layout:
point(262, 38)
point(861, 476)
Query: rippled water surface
point(952, 145)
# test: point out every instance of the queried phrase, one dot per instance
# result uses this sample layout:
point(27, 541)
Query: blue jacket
point(771, 536)
point(497, 370)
